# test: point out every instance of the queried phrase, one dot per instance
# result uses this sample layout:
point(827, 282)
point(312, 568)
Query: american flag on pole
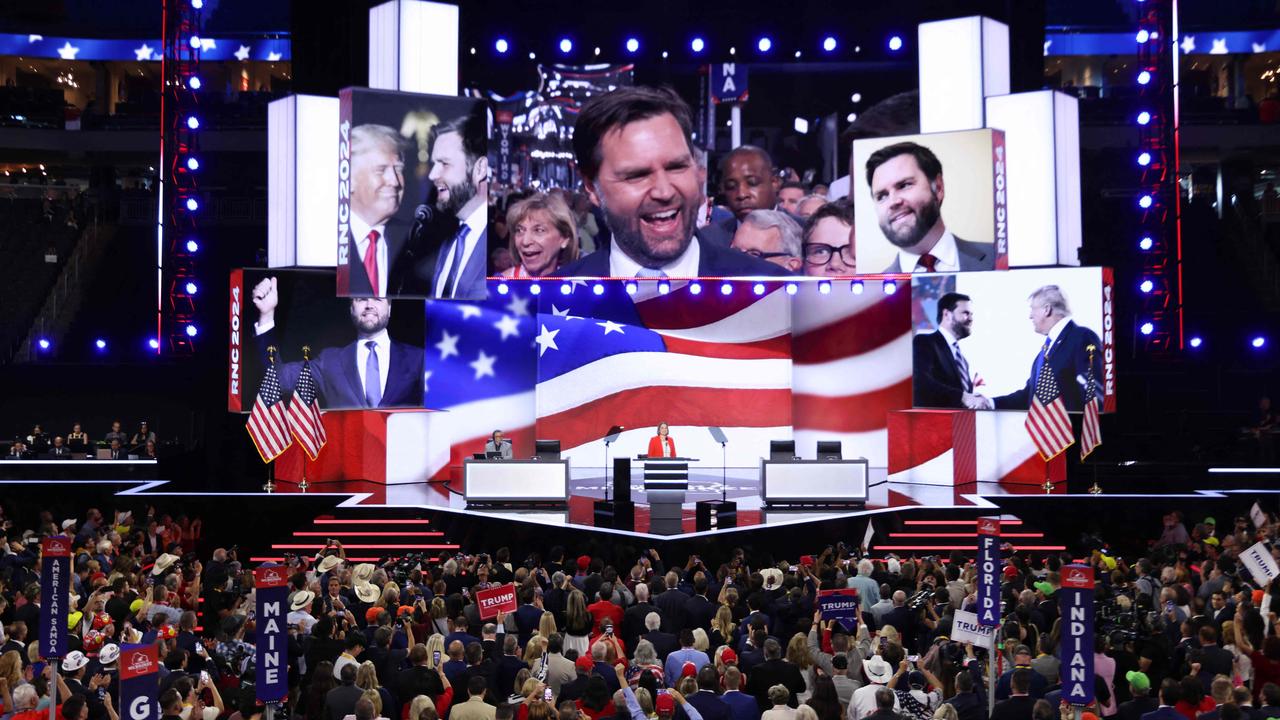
point(1047, 420)
point(304, 411)
point(1091, 428)
point(267, 425)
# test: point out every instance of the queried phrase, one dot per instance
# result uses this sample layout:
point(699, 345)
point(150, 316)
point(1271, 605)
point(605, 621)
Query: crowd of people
point(115, 444)
point(1181, 632)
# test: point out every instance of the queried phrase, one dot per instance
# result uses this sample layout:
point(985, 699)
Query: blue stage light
point(1146, 286)
point(193, 122)
point(501, 46)
point(695, 289)
point(890, 287)
point(194, 83)
point(895, 43)
point(856, 287)
point(193, 204)
point(100, 344)
point(1144, 159)
point(193, 246)
point(664, 287)
point(632, 288)
point(697, 45)
point(1258, 341)
point(1143, 118)
point(824, 287)
point(1145, 201)
point(153, 343)
point(195, 41)
point(1146, 328)
point(192, 331)
point(1195, 341)
point(1146, 243)
point(829, 43)
point(534, 288)
point(193, 164)
point(1144, 77)
point(192, 288)
point(598, 289)
point(43, 343)
point(566, 45)
point(633, 45)
point(503, 289)
point(1142, 36)
point(792, 288)
point(764, 44)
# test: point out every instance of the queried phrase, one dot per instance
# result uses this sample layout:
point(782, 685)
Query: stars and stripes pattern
point(1091, 427)
point(1047, 420)
point(267, 425)
point(304, 413)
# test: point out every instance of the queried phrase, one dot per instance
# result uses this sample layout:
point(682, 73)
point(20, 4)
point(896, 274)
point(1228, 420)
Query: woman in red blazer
point(661, 445)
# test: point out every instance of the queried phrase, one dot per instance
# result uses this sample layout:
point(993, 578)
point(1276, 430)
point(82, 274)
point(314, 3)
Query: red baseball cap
point(728, 656)
point(584, 562)
point(665, 704)
point(584, 663)
point(688, 670)
point(1010, 571)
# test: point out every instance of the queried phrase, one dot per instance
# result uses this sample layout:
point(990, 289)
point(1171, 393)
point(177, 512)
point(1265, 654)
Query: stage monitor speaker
point(715, 514)
point(616, 515)
point(622, 479)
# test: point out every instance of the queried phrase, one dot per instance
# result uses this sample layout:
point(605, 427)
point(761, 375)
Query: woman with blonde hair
point(367, 680)
point(439, 616)
point(434, 645)
point(543, 236)
point(945, 711)
point(547, 625)
point(724, 631)
point(798, 655)
point(534, 649)
point(374, 697)
point(577, 623)
point(420, 704)
point(700, 641)
point(11, 668)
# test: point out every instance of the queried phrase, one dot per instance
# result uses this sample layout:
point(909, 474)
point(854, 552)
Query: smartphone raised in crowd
point(435, 657)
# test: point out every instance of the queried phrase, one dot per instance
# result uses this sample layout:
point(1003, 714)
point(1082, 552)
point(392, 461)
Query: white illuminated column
point(413, 46)
point(302, 177)
point(1042, 147)
point(962, 62)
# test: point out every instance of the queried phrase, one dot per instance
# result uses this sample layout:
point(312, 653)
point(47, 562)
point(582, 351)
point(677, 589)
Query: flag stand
point(1048, 485)
point(303, 485)
point(270, 485)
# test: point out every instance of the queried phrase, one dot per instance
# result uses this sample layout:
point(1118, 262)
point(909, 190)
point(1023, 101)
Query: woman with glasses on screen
point(661, 445)
point(828, 241)
point(543, 236)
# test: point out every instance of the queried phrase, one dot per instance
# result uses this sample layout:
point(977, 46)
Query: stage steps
point(950, 534)
point(365, 538)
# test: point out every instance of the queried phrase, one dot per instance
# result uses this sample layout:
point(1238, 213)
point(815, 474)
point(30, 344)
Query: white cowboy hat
point(74, 661)
point(302, 600)
point(163, 563)
point(109, 653)
point(367, 592)
point(328, 563)
point(878, 671)
point(363, 572)
point(772, 578)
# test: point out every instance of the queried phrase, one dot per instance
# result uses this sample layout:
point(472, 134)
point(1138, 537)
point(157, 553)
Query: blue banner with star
point(213, 49)
point(1207, 42)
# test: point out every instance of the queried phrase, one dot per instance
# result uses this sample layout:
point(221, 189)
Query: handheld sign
point(55, 579)
point(989, 572)
point(139, 682)
point(272, 647)
point(841, 604)
point(496, 600)
point(1261, 564)
point(1076, 599)
point(966, 628)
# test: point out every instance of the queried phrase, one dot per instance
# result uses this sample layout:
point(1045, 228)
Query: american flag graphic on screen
point(304, 413)
point(1091, 427)
point(267, 424)
point(1047, 420)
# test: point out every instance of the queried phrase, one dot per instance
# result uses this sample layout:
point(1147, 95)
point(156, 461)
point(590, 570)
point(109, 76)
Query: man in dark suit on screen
point(1065, 349)
point(908, 189)
point(376, 239)
point(637, 163)
point(940, 374)
point(373, 371)
point(460, 173)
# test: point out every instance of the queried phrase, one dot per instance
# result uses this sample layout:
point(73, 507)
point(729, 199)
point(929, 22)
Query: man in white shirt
point(864, 698)
point(907, 187)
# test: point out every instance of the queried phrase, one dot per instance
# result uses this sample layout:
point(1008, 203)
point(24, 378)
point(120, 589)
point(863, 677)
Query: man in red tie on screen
point(661, 445)
point(377, 188)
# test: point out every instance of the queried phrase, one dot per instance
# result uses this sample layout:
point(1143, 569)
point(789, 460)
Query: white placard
point(1261, 565)
point(965, 628)
point(1258, 517)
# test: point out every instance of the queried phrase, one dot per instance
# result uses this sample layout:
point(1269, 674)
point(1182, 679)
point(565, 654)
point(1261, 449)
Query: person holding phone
point(661, 445)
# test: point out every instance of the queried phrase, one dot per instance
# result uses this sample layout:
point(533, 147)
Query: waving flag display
point(1091, 428)
point(1047, 420)
point(304, 411)
point(267, 423)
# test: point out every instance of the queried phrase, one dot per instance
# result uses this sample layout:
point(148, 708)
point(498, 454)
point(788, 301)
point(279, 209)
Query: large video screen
point(364, 352)
point(413, 177)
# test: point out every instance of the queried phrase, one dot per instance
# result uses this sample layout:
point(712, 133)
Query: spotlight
point(1146, 286)
point(829, 44)
point(193, 246)
point(856, 98)
point(895, 43)
point(192, 288)
point(733, 50)
point(665, 54)
point(534, 288)
point(501, 46)
point(697, 45)
point(664, 287)
point(1144, 77)
point(194, 83)
point(792, 288)
point(632, 288)
point(890, 287)
point(1144, 117)
point(193, 164)
point(1195, 341)
point(695, 289)
point(851, 117)
point(192, 331)
point(153, 343)
point(726, 289)
point(1145, 243)
point(633, 45)
point(1144, 159)
point(100, 344)
point(565, 288)
point(566, 45)
point(195, 41)
point(533, 56)
point(193, 204)
point(764, 44)
point(597, 51)
point(1145, 201)
point(1146, 328)
point(1258, 341)
point(856, 287)
point(1143, 36)
point(43, 343)
point(824, 287)
point(758, 288)
point(598, 289)
point(197, 4)
point(503, 289)
point(193, 122)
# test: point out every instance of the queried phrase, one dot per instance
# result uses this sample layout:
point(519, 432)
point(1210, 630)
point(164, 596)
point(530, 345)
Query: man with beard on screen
point(907, 187)
point(940, 373)
point(373, 371)
point(460, 173)
point(636, 159)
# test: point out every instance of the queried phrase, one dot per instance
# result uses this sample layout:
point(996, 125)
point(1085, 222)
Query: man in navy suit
point(940, 374)
point(375, 238)
point(705, 701)
point(1065, 349)
point(637, 163)
point(373, 371)
point(907, 187)
point(1168, 698)
point(460, 172)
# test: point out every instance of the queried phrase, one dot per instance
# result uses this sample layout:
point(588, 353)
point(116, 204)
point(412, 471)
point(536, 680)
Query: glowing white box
point(962, 62)
point(413, 46)
point(302, 172)
point(1042, 149)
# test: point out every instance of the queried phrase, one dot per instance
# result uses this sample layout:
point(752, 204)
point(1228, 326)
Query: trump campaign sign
point(841, 604)
point(1261, 564)
point(271, 586)
point(55, 579)
point(1076, 606)
point(989, 572)
point(495, 600)
point(139, 682)
point(966, 628)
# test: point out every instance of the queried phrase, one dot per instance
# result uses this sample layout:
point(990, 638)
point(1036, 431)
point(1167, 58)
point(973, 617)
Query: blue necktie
point(459, 246)
point(372, 376)
point(963, 366)
point(1041, 359)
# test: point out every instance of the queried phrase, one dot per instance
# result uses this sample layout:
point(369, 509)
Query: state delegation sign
point(989, 572)
point(1076, 607)
point(271, 585)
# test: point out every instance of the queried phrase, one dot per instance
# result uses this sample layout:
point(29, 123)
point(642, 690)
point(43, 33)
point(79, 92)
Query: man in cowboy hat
point(300, 611)
point(878, 673)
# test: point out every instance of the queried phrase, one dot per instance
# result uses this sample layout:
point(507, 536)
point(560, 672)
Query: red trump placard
point(496, 600)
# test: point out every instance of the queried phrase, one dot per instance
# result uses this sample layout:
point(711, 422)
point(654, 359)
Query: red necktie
point(371, 261)
point(926, 261)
